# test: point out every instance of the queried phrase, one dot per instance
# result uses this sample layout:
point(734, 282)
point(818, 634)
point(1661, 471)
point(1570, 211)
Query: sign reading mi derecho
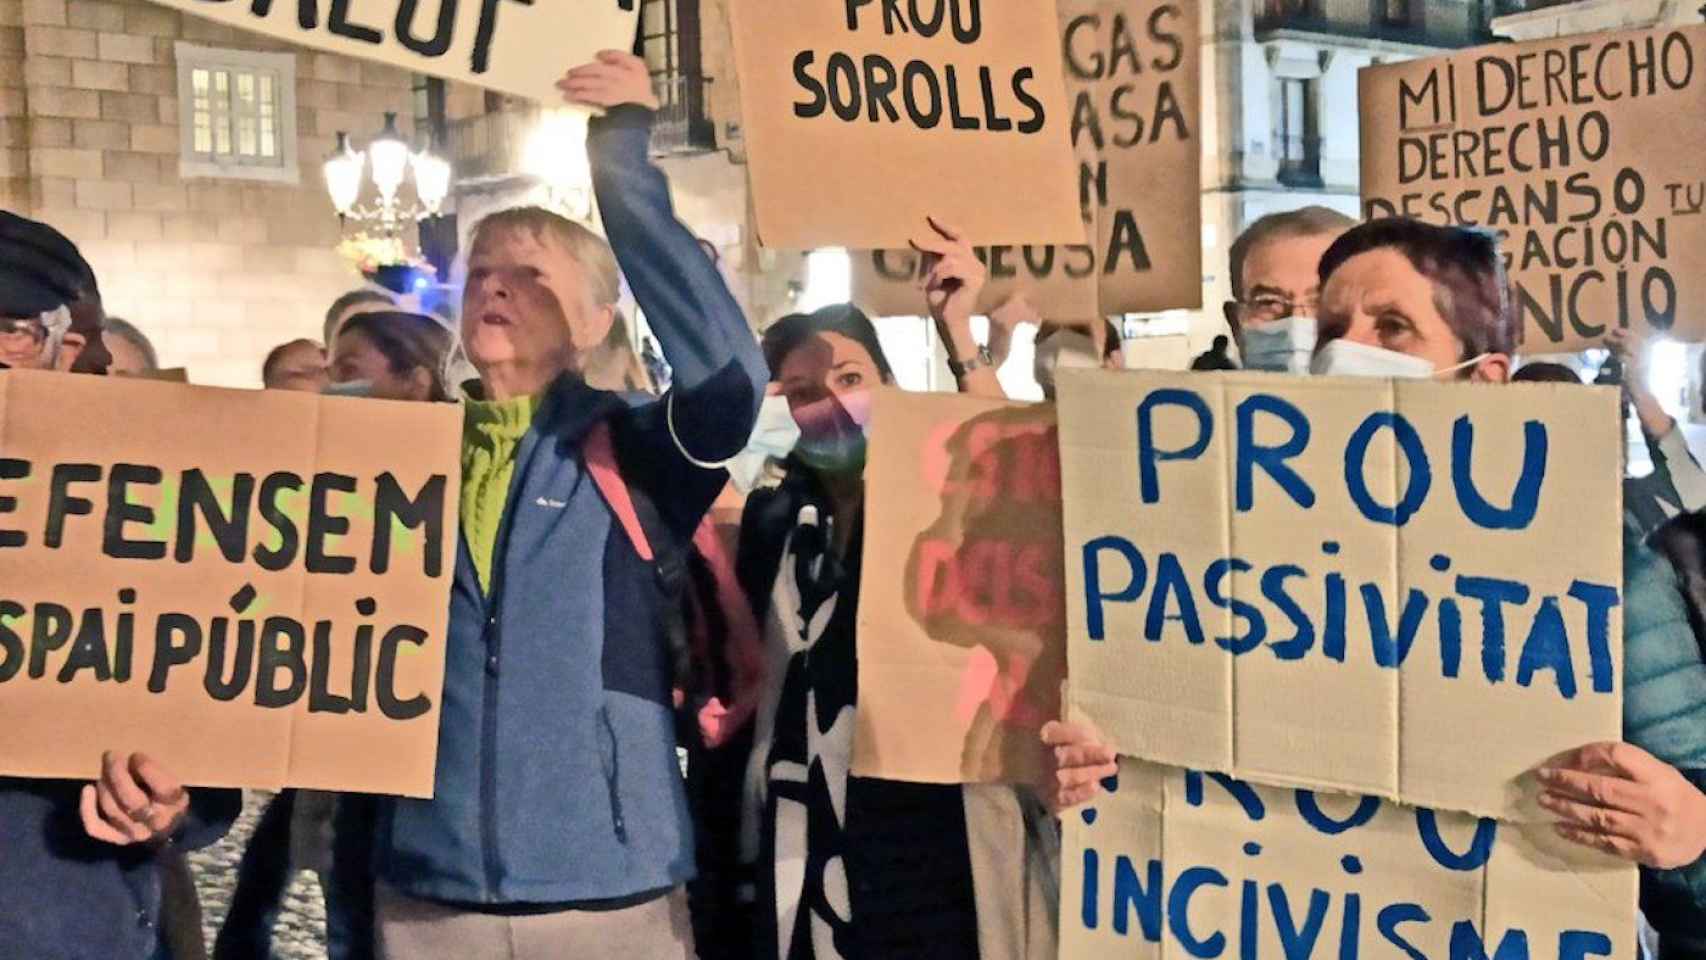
point(520, 47)
point(1582, 153)
point(251, 587)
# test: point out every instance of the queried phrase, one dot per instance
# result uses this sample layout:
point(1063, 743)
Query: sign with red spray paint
point(961, 649)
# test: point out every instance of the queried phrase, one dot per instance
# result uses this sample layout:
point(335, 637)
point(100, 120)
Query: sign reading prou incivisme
point(1410, 590)
point(1178, 863)
point(251, 587)
point(1581, 153)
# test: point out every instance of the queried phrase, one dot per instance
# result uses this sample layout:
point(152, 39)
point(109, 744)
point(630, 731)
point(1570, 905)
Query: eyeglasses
point(15, 329)
point(1271, 306)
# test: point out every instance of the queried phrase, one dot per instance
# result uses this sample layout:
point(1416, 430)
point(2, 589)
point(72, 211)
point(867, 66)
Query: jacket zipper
point(612, 768)
point(488, 750)
point(489, 702)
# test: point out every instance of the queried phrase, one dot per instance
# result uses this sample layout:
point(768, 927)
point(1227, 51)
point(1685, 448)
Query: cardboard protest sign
point(166, 375)
point(962, 647)
point(518, 47)
point(1404, 589)
point(1133, 77)
point(251, 587)
point(1582, 153)
point(862, 117)
point(1173, 863)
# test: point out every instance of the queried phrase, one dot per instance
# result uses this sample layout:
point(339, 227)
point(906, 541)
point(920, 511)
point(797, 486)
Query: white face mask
point(1347, 358)
point(773, 438)
point(1282, 346)
point(1066, 350)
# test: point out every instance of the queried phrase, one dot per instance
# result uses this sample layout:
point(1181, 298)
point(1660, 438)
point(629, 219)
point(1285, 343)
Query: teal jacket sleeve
point(1664, 680)
point(1664, 713)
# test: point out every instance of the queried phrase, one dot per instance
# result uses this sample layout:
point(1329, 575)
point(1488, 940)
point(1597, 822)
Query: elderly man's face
point(1380, 299)
point(1280, 280)
point(301, 368)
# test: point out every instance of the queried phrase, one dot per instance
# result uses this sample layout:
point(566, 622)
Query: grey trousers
point(409, 929)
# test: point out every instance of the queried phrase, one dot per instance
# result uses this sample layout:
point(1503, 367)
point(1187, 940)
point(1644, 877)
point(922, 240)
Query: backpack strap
point(654, 542)
point(600, 455)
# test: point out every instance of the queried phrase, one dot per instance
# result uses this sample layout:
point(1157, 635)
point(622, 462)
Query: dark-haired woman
point(855, 868)
point(392, 355)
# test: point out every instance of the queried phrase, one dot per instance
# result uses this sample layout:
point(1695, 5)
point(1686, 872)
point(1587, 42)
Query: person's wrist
point(955, 328)
point(1696, 819)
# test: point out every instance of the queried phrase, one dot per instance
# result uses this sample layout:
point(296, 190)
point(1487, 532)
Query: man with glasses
point(79, 862)
point(50, 307)
point(1276, 289)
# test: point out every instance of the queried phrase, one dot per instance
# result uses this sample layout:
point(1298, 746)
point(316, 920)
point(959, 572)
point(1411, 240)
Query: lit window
point(238, 114)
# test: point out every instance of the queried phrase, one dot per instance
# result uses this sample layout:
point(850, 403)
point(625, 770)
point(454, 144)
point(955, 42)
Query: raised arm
point(719, 371)
point(951, 288)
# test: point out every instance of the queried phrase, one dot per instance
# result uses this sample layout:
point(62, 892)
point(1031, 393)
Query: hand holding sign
point(953, 277)
point(615, 78)
point(135, 801)
point(953, 280)
point(1621, 799)
point(1078, 761)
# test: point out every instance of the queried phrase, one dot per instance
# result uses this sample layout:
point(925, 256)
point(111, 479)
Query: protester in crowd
point(392, 355)
point(46, 268)
point(853, 867)
point(1541, 371)
point(1400, 298)
point(559, 823)
point(1215, 357)
point(1677, 484)
point(80, 872)
point(298, 366)
point(350, 304)
point(614, 365)
point(132, 352)
point(1275, 288)
point(1066, 347)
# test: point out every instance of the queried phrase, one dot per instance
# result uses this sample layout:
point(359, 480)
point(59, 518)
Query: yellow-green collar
point(501, 419)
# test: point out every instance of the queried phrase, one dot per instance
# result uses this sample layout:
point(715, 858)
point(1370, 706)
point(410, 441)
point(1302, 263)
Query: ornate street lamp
point(379, 240)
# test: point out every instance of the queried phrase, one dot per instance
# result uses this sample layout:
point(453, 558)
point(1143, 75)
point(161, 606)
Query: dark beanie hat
point(40, 270)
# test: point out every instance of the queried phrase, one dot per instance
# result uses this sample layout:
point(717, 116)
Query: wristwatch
point(983, 359)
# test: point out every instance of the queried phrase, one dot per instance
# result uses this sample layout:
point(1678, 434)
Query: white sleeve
point(1685, 472)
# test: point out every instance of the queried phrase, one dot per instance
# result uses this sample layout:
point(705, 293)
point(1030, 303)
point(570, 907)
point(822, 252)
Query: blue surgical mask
point(349, 388)
point(1282, 346)
point(773, 438)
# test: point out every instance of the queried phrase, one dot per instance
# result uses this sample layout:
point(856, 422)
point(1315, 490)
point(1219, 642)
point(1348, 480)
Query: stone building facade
point(216, 271)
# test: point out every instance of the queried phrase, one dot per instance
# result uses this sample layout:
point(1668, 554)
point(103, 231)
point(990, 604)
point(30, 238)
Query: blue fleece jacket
point(557, 780)
point(64, 896)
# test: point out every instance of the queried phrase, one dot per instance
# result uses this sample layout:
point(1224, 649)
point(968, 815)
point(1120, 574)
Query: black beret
point(40, 270)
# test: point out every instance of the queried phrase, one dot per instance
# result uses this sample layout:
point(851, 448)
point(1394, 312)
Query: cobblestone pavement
point(301, 930)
